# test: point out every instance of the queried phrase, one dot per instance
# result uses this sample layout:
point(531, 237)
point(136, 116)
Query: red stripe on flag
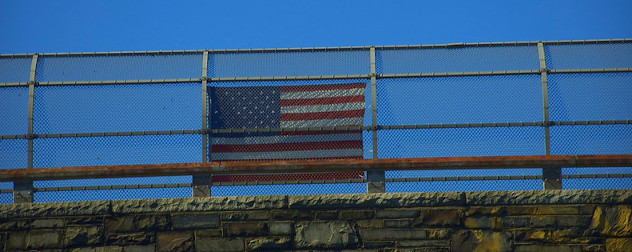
point(321, 158)
point(309, 88)
point(287, 146)
point(322, 101)
point(322, 115)
point(281, 177)
point(293, 133)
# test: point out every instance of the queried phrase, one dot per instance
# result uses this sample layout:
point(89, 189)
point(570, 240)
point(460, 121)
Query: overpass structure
point(529, 115)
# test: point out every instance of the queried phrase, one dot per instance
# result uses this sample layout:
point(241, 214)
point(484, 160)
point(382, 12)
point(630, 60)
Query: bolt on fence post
point(201, 183)
point(551, 177)
point(23, 189)
point(375, 179)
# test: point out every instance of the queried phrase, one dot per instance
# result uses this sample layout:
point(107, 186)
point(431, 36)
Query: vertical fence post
point(551, 177)
point(204, 107)
point(23, 189)
point(375, 179)
point(201, 183)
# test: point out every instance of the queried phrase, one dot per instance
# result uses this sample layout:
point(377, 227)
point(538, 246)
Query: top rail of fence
point(341, 48)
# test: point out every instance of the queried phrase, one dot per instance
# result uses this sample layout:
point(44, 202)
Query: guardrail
point(23, 178)
point(374, 167)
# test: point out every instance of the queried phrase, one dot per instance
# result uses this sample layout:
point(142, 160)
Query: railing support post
point(551, 177)
point(201, 186)
point(375, 179)
point(23, 189)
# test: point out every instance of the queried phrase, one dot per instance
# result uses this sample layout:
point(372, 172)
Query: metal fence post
point(23, 189)
point(204, 107)
point(375, 179)
point(201, 183)
point(551, 177)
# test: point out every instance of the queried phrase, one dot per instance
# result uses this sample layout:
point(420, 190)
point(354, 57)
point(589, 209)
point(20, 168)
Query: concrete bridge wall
point(560, 221)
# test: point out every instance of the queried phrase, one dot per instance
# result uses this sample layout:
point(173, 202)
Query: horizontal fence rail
point(299, 166)
point(579, 83)
point(309, 182)
point(320, 77)
point(317, 129)
point(342, 48)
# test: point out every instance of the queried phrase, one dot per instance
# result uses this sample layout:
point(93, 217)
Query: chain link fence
point(454, 100)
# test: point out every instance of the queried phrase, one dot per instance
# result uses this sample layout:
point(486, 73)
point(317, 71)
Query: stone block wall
point(560, 221)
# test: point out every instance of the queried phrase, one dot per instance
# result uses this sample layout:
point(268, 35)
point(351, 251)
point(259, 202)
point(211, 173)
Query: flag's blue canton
point(245, 107)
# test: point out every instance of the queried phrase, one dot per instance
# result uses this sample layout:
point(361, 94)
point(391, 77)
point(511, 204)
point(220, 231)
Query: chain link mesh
point(593, 140)
point(117, 108)
point(460, 142)
point(598, 183)
point(466, 59)
point(15, 69)
point(447, 186)
point(133, 67)
point(14, 110)
point(289, 189)
point(95, 151)
point(400, 101)
point(13, 153)
point(288, 104)
point(6, 198)
point(584, 97)
point(83, 195)
point(471, 99)
point(239, 117)
point(288, 63)
point(578, 56)
point(608, 94)
point(118, 194)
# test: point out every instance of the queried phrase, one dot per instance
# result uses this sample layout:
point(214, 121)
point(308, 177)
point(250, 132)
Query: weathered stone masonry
point(558, 221)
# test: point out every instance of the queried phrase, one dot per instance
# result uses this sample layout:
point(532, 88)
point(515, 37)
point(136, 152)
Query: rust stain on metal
point(303, 166)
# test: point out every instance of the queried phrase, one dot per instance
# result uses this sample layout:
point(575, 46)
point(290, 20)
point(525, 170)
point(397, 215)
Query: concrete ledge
point(334, 201)
point(199, 204)
point(548, 197)
point(55, 209)
point(376, 200)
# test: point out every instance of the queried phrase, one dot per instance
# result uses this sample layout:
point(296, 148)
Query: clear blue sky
point(85, 26)
point(63, 26)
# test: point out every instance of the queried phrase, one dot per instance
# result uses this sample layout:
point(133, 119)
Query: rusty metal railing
point(27, 176)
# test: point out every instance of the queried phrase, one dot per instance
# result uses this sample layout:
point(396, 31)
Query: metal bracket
point(201, 186)
point(376, 182)
point(454, 45)
point(23, 191)
point(552, 178)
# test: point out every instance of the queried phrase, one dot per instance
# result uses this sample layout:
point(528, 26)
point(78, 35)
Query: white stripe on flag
point(322, 122)
point(287, 154)
point(322, 108)
point(322, 93)
point(288, 139)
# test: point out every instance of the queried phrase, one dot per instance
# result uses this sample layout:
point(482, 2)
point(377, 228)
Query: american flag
point(287, 107)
